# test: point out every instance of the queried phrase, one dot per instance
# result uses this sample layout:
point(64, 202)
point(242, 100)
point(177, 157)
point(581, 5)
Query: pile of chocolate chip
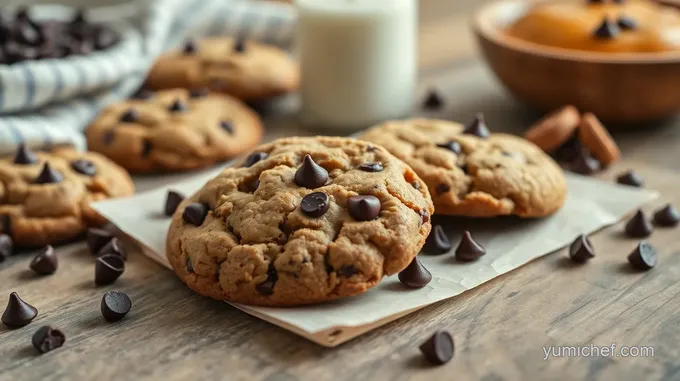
point(23, 38)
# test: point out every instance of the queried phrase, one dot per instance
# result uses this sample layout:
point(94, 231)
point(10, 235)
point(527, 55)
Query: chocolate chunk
point(415, 184)
point(438, 242)
point(364, 208)
point(424, 216)
point(114, 247)
point(584, 164)
point(348, 271)
point(189, 266)
point(478, 127)
point(439, 348)
point(626, 23)
point(147, 146)
point(96, 239)
point(143, 94)
point(569, 150)
point(24, 155)
point(18, 313)
point(667, 216)
point(115, 305)
point(6, 246)
point(199, 92)
point(46, 262)
point(267, 287)
point(195, 213)
point(433, 101)
point(240, 44)
point(84, 167)
point(606, 30)
point(48, 175)
point(227, 126)
point(441, 189)
point(370, 148)
point(468, 249)
point(310, 174)
point(581, 249)
point(371, 167)
point(639, 226)
point(129, 116)
point(177, 106)
point(108, 269)
point(643, 257)
point(254, 158)
point(631, 178)
point(249, 186)
point(415, 275)
point(190, 46)
point(172, 201)
point(108, 136)
point(315, 204)
point(47, 339)
point(452, 146)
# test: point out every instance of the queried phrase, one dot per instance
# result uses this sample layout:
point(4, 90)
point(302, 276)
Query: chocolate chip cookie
point(174, 130)
point(300, 221)
point(245, 69)
point(45, 196)
point(471, 172)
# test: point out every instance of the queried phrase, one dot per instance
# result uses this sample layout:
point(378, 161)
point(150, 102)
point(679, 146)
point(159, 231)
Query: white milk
point(358, 60)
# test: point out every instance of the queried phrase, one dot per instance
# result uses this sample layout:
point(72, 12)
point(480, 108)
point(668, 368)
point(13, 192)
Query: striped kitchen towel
point(50, 102)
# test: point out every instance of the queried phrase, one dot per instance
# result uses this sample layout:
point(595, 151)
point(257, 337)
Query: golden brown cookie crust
point(501, 175)
point(161, 140)
point(41, 214)
point(260, 71)
point(248, 235)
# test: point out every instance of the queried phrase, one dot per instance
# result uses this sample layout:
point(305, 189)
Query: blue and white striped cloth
point(46, 103)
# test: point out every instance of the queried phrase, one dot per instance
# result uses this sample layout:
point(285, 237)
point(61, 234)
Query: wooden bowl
point(618, 88)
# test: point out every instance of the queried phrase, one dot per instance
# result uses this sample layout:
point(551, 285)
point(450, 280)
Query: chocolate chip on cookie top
point(318, 226)
point(607, 29)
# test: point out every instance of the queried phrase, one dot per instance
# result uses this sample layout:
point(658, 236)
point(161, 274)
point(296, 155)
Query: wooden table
point(500, 328)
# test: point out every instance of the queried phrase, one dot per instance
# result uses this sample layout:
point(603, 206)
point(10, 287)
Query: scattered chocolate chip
point(468, 249)
point(267, 287)
point(240, 45)
point(433, 101)
point(227, 126)
point(190, 46)
point(147, 146)
point(177, 106)
point(371, 167)
point(415, 184)
point(195, 213)
point(643, 257)
point(129, 116)
point(199, 92)
point(96, 239)
point(48, 175)
point(442, 188)
point(364, 208)
point(47, 339)
point(6, 246)
point(25, 156)
point(626, 23)
point(114, 247)
point(143, 94)
point(415, 275)
point(631, 178)
point(452, 146)
point(85, 167)
point(254, 158)
point(584, 164)
point(315, 204)
point(348, 271)
point(438, 242)
point(478, 127)
point(46, 262)
point(107, 137)
point(581, 250)
point(189, 266)
point(424, 216)
point(639, 226)
point(606, 30)
point(439, 348)
point(667, 216)
point(108, 269)
point(172, 201)
point(115, 305)
point(310, 174)
point(18, 313)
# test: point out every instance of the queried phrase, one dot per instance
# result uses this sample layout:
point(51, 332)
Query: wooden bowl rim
point(484, 25)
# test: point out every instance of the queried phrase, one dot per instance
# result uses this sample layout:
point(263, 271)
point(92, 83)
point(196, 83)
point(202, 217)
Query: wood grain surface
point(500, 328)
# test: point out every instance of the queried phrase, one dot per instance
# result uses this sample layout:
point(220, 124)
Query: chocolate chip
point(129, 116)
point(439, 348)
point(424, 216)
point(371, 167)
point(267, 287)
point(24, 155)
point(348, 271)
point(433, 101)
point(438, 242)
point(199, 92)
point(667, 216)
point(227, 126)
point(195, 213)
point(177, 106)
point(108, 269)
point(96, 239)
point(310, 174)
point(478, 127)
point(584, 164)
point(639, 226)
point(364, 208)
point(18, 313)
point(581, 249)
point(631, 178)
point(190, 46)
point(107, 137)
point(46, 262)
point(643, 257)
point(6, 246)
point(249, 185)
point(143, 94)
point(172, 201)
point(468, 249)
point(189, 266)
point(48, 175)
point(315, 204)
point(415, 184)
point(115, 305)
point(147, 146)
point(595, 1)
point(569, 150)
point(240, 45)
point(113, 247)
point(606, 30)
point(452, 146)
point(47, 339)
point(442, 188)
point(415, 275)
point(254, 158)
point(626, 23)
point(370, 148)
point(84, 167)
